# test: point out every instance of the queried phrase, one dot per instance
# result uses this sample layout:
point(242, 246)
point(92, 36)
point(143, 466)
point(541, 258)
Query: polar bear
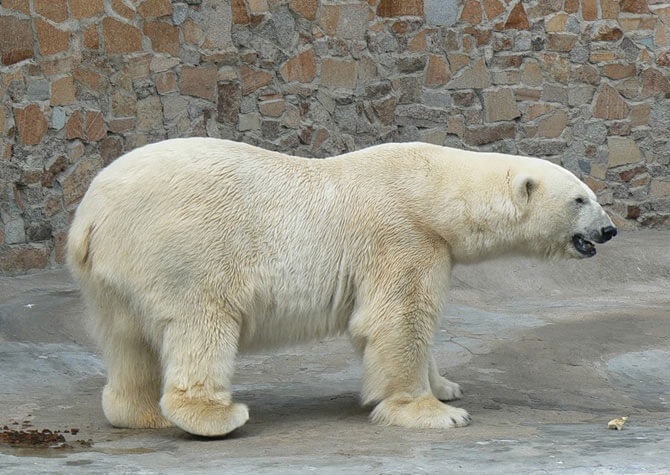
point(191, 250)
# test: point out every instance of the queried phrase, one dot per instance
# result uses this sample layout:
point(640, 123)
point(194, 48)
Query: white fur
point(189, 250)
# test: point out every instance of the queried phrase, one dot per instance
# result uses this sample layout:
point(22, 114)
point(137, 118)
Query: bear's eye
point(579, 201)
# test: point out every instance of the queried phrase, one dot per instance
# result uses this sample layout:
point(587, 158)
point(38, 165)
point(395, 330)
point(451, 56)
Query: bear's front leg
point(397, 364)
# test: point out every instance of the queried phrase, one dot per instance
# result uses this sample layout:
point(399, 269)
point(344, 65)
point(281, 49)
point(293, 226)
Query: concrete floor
point(547, 353)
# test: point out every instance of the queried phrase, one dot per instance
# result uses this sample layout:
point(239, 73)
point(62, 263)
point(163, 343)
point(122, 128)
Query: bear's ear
point(523, 187)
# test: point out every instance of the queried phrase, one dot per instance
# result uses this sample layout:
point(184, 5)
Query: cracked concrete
point(547, 353)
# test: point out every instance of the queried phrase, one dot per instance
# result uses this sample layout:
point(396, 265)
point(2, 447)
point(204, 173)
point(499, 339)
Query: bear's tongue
point(583, 246)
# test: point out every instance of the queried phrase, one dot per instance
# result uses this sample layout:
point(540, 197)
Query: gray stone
point(622, 151)
point(346, 118)
point(579, 95)
point(15, 231)
point(174, 105)
point(281, 29)
point(472, 77)
point(249, 122)
point(437, 99)
point(409, 88)
point(248, 104)
point(573, 25)
point(522, 41)
point(579, 54)
point(554, 93)
point(57, 118)
point(270, 129)
point(630, 50)
point(38, 90)
point(353, 22)
point(440, 13)
point(420, 116)
point(596, 132)
point(179, 13)
point(500, 105)
point(540, 148)
point(410, 64)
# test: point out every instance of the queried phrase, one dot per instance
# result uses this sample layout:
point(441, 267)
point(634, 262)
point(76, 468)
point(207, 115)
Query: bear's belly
point(289, 316)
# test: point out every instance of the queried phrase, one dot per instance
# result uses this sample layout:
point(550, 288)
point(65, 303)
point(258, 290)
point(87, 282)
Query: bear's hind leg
point(198, 359)
point(442, 388)
point(130, 397)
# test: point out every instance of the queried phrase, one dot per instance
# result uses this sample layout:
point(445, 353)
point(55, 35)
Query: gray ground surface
point(547, 353)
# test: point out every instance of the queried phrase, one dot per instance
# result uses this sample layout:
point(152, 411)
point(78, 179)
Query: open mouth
point(584, 247)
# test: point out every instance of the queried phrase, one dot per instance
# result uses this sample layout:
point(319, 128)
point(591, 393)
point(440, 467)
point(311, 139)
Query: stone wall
point(583, 83)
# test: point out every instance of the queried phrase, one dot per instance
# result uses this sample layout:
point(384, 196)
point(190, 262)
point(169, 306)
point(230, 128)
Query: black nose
point(608, 233)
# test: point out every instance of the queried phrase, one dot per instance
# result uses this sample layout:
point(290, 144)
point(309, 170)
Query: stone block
point(149, 114)
point(110, 149)
point(16, 40)
point(51, 39)
point(54, 10)
point(95, 126)
point(273, 107)
point(554, 125)
point(385, 109)
point(472, 12)
point(473, 77)
point(62, 91)
point(155, 8)
point(164, 37)
point(31, 124)
point(659, 188)
point(86, 8)
point(21, 6)
point(228, 105)
point(119, 126)
point(561, 41)
point(120, 37)
point(639, 114)
point(57, 118)
point(437, 73)
point(654, 82)
point(489, 133)
point(556, 23)
point(179, 13)
point(199, 81)
point(517, 19)
point(579, 95)
point(619, 71)
point(338, 73)
point(301, 68)
point(393, 8)
point(531, 73)
point(120, 7)
point(38, 90)
point(24, 258)
point(634, 6)
point(609, 104)
point(251, 121)
point(123, 104)
point(166, 82)
point(622, 151)
point(74, 128)
point(15, 231)
point(306, 8)
point(253, 79)
point(440, 13)
point(419, 115)
point(589, 10)
point(493, 8)
point(174, 106)
point(500, 105)
point(607, 33)
point(76, 182)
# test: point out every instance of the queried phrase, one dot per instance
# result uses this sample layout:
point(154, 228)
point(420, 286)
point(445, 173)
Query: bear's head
point(559, 215)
